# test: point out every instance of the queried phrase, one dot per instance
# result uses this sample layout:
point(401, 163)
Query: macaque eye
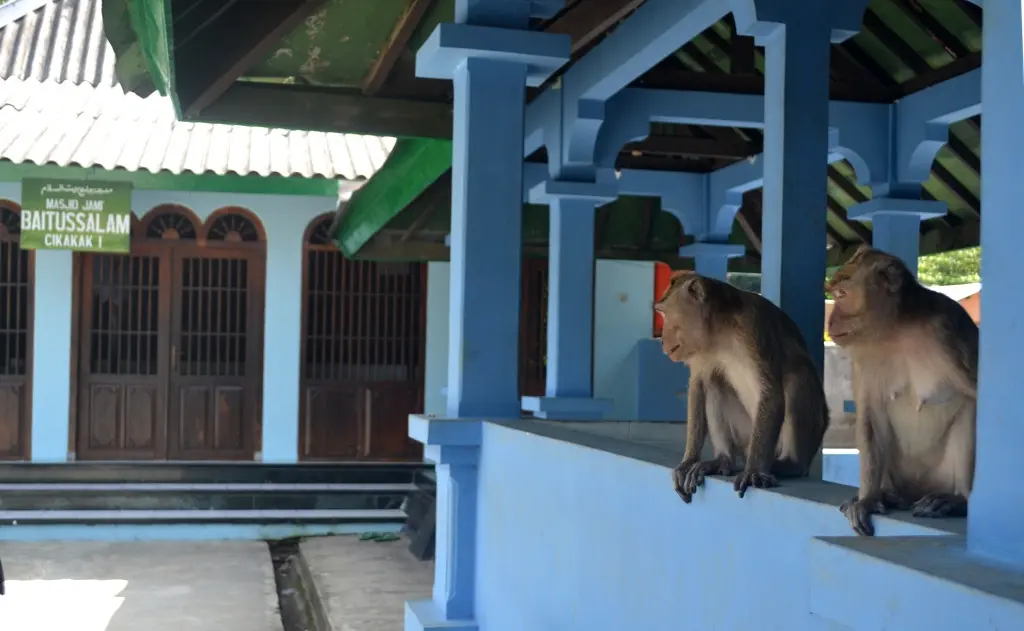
point(838, 293)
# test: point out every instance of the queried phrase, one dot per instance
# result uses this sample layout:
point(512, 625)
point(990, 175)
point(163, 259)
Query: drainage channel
point(297, 597)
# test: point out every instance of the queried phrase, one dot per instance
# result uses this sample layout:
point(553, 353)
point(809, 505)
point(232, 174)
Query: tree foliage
point(950, 268)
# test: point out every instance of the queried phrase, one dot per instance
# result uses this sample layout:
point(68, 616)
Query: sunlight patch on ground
point(60, 605)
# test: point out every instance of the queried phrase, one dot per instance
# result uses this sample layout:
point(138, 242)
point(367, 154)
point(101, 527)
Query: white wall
point(284, 219)
point(623, 291)
point(436, 377)
point(623, 315)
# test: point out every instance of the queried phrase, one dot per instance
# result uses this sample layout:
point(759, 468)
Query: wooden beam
point(216, 59)
point(400, 35)
point(315, 109)
point(437, 196)
point(588, 20)
point(734, 149)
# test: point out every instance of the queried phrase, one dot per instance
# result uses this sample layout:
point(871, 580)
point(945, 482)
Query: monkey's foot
point(940, 505)
point(756, 479)
point(859, 513)
point(690, 474)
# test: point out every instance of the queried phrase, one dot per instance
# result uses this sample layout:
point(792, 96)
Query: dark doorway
point(363, 340)
point(16, 320)
point(171, 341)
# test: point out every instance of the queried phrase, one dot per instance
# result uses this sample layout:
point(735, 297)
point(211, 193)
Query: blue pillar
point(712, 259)
point(896, 224)
point(570, 348)
point(491, 58)
point(797, 36)
point(997, 500)
point(51, 355)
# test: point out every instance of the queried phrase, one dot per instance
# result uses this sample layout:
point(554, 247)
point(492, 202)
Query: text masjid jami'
point(67, 226)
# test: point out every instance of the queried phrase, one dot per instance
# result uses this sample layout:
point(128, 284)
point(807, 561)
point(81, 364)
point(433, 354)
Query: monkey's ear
point(892, 277)
point(698, 290)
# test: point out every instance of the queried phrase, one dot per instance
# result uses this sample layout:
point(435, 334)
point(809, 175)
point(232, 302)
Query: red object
point(662, 277)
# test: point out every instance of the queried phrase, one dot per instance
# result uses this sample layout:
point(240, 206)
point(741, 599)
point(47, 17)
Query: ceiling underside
point(348, 65)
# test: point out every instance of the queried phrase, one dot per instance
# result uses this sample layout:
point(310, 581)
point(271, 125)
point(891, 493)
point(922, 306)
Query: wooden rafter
point(427, 204)
point(218, 60)
point(317, 109)
point(943, 175)
point(400, 35)
point(939, 33)
point(903, 51)
point(587, 20)
point(726, 148)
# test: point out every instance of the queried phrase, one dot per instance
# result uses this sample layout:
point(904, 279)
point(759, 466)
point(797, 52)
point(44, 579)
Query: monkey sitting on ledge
point(914, 353)
point(753, 386)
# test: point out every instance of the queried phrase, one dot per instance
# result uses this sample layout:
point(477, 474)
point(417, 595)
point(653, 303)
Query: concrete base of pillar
point(423, 615)
point(567, 408)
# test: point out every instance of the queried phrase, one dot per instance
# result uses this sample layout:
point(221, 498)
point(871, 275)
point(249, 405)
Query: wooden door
point(123, 354)
point(363, 336)
point(216, 366)
point(16, 320)
point(533, 328)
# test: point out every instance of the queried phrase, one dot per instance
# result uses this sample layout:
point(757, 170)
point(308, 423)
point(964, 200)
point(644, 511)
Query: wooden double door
point(170, 353)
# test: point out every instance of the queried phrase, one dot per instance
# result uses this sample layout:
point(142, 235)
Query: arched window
point(233, 227)
point(169, 225)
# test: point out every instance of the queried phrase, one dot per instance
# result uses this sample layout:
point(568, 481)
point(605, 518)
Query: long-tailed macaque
point(753, 386)
point(915, 360)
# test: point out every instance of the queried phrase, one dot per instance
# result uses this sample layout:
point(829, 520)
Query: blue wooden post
point(712, 259)
point(490, 58)
point(997, 500)
point(896, 224)
point(797, 37)
point(570, 349)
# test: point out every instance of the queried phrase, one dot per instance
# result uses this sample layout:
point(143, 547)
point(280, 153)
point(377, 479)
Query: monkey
point(914, 354)
point(754, 389)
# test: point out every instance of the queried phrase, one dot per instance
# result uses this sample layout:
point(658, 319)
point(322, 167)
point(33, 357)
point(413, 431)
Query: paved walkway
point(139, 586)
point(364, 584)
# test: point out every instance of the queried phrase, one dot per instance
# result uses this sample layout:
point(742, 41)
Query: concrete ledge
point(430, 430)
point(567, 408)
point(423, 615)
point(841, 466)
point(912, 583)
point(802, 498)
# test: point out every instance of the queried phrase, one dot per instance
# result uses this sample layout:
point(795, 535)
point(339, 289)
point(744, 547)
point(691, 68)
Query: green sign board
point(84, 216)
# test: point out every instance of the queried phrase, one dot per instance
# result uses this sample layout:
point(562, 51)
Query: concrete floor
point(134, 586)
point(364, 584)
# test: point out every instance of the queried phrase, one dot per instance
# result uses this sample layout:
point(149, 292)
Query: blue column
point(490, 58)
point(997, 500)
point(51, 355)
point(454, 446)
point(896, 224)
point(797, 37)
point(570, 348)
point(712, 259)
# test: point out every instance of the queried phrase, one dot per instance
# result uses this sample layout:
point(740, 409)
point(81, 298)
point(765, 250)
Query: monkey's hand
point(859, 512)
point(690, 474)
point(940, 505)
point(751, 478)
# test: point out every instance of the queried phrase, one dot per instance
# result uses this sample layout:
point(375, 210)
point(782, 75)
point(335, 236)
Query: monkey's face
point(682, 309)
point(866, 292)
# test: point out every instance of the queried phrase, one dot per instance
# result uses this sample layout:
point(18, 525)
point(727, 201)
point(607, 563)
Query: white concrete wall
point(623, 292)
point(284, 219)
point(436, 377)
point(623, 315)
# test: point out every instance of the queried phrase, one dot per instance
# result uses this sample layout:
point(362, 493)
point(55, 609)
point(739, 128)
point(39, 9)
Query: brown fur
point(915, 362)
point(753, 386)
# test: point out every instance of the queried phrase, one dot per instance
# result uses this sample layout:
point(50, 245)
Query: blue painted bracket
point(712, 259)
point(450, 45)
point(896, 224)
point(454, 446)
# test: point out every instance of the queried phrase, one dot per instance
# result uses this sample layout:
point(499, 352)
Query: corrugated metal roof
point(55, 40)
point(82, 125)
